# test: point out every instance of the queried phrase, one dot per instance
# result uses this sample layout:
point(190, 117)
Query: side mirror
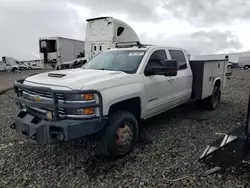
point(169, 68)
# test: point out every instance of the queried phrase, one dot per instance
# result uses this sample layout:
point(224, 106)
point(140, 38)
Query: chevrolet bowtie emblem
point(37, 98)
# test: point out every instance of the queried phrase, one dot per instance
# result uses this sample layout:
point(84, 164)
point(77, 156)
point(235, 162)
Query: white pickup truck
point(112, 93)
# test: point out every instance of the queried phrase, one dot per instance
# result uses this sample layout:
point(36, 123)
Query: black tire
point(14, 70)
point(229, 66)
point(213, 101)
point(246, 67)
point(108, 145)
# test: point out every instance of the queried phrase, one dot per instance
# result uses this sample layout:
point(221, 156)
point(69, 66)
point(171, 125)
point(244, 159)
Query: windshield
point(126, 61)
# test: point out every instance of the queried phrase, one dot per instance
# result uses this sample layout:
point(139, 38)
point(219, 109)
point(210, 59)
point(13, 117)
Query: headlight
point(81, 97)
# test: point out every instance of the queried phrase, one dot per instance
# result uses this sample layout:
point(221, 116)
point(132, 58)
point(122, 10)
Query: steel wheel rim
point(124, 136)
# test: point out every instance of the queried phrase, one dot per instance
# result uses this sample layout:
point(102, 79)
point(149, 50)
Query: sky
point(198, 26)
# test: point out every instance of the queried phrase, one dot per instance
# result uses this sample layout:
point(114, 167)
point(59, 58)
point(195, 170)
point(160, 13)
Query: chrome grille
point(46, 97)
point(43, 94)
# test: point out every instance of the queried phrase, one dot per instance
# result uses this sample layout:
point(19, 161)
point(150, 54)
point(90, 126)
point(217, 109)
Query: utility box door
point(205, 73)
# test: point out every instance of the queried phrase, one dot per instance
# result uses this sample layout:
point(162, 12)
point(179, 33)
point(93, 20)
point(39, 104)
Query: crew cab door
point(182, 83)
point(158, 88)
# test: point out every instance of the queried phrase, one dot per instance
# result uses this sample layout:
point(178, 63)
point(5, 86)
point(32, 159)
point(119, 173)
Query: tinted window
point(94, 48)
point(120, 31)
point(100, 47)
point(180, 58)
point(157, 58)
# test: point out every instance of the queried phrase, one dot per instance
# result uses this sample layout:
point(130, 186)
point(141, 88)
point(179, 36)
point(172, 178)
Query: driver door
point(158, 88)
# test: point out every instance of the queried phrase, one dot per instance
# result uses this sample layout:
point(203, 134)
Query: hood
point(74, 78)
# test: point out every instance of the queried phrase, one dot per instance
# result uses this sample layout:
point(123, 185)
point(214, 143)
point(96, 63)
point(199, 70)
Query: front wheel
point(120, 134)
point(213, 101)
point(14, 70)
point(246, 67)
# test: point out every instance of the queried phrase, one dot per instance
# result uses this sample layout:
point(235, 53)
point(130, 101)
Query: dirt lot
point(7, 78)
point(171, 143)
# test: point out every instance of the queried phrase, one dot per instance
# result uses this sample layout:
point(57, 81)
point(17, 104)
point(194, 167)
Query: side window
point(120, 31)
point(180, 58)
point(157, 58)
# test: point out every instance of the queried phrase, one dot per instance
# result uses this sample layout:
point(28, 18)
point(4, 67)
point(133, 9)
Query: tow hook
point(13, 126)
point(57, 136)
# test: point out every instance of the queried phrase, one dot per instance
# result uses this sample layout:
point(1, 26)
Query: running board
point(228, 150)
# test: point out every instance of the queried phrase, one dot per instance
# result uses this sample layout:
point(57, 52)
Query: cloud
point(209, 12)
point(24, 22)
point(188, 24)
point(200, 42)
point(137, 10)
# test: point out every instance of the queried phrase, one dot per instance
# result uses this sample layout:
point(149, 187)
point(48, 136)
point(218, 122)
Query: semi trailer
point(104, 33)
point(56, 50)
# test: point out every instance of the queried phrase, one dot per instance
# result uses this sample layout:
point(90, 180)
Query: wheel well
point(217, 83)
point(132, 105)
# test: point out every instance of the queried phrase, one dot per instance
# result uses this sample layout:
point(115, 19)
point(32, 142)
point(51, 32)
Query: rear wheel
point(246, 67)
point(229, 66)
point(120, 134)
point(213, 101)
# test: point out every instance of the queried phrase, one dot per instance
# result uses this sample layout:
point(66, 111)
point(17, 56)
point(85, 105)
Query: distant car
point(35, 66)
point(74, 64)
point(22, 66)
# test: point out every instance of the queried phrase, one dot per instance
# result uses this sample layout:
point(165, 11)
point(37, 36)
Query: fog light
point(88, 111)
point(49, 115)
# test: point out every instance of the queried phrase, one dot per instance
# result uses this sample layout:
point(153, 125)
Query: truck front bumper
point(47, 132)
point(56, 127)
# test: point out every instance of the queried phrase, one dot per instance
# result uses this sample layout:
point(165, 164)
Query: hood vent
point(56, 75)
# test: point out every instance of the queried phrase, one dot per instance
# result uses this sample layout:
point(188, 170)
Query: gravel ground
point(172, 143)
point(7, 78)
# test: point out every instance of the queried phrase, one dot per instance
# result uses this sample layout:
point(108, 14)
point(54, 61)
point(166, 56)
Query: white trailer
point(244, 62)
point(104, 33)
point(56, 50)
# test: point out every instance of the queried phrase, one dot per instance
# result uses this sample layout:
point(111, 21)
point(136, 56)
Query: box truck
point(56, 50)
